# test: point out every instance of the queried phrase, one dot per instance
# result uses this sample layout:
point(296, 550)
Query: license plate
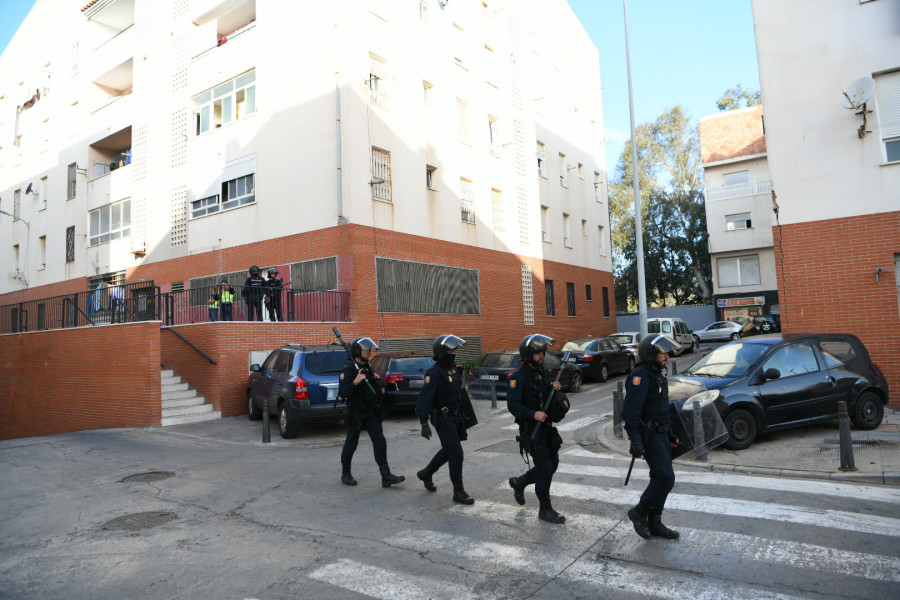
point(490, 377)
point(416, 383)
point(331, 394)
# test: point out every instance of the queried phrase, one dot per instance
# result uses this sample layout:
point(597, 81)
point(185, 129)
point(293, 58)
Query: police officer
point(646, 416)
point(364, 402)
point(253, 293)
point(529, 387)
point(439, 401)
point(273, 295)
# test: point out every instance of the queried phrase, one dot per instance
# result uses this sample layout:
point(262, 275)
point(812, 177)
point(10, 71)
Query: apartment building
point(436, 159)
point(739, 214)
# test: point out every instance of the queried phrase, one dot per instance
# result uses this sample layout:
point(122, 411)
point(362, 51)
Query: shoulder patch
point(428, 379)
point(636, 381)
point(342, 375)
point(449, 377)
point(512, 383)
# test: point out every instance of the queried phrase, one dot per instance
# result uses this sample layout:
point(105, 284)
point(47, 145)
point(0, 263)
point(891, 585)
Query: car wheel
point(575, 384)
point(736, 335)
point(630, 364)
point(254, 413)
point(741, 427)
point(689, 349)
point(287, 427)
point(766, 327)
point(604, 372)
point(696, 342)
point(868, 411)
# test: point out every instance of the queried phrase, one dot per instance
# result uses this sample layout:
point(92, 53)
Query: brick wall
point(826, 278)
point(75, 379)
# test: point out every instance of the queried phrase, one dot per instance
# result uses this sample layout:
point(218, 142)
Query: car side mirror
point(254, 368)
point(768, 374)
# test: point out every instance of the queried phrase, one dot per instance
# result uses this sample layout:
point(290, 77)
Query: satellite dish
point(28, 190)
point(858, 93)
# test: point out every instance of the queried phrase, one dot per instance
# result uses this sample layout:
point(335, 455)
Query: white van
point(674, 328)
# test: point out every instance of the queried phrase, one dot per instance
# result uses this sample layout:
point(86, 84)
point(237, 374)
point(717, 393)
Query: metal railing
point(728, 192)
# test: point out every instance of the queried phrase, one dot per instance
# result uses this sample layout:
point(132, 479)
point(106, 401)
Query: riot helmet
point(360, 344)
point(273, 272)
point(254, 270)
point(653, 344)
point(446, 345)
point(534, 344)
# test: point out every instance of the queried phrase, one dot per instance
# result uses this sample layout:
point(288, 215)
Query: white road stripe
point(578, 525)
point(572, 425)
point(388, 585)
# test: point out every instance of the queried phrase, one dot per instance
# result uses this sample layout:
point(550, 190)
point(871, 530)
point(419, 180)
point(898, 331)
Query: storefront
point(743, 308)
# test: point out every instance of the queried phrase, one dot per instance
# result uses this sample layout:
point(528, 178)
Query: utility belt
point(652, 427)
point(445, 412)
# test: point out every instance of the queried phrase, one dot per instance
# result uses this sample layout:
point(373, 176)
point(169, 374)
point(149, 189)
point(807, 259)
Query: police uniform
point(253, 293)
point(273, 298)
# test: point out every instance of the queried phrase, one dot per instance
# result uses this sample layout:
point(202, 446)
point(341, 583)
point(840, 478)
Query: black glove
point(426, 431)
point(673, 440)
point(637, 448)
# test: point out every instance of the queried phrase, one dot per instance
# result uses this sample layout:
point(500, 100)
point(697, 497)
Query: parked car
point(598, 357)
point(496, 367)
point(770, 382)
point(718, 331)
point(299, 383)
point(630, 340)
point(767, 323)
point(673, 328)
point(404, 373)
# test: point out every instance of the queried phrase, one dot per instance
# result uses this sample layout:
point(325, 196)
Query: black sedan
point(597, 358)
point(494, 368)
point(404, 373)
point(772, 382)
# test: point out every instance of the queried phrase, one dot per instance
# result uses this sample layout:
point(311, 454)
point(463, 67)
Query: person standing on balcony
point(274, 286)
point(213, 305)
point(226, 304)
point(253, 292)
point(118, 304)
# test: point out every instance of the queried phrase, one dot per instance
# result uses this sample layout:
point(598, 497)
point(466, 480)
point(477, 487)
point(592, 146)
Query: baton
point(630, 467)
point(352, 361)
point(565, 360)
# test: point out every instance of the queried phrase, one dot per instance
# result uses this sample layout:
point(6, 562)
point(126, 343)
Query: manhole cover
point(151, 476)
point(146, 520)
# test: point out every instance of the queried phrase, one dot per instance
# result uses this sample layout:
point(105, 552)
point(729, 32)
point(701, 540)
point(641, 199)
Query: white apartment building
point(183, 140)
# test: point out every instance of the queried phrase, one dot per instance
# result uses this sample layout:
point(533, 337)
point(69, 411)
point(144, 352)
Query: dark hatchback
point(598, 357)
point(404, 373)
point(299, 383)
point(494, 369)
point(777, 381)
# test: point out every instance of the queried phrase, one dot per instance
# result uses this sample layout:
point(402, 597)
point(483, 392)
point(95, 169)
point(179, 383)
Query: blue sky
point(682, 52)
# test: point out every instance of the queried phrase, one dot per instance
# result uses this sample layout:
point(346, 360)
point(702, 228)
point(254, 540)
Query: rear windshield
point(653, 327)
point(576, 345)
point(408, 365)
point(733, 360)
point(621, 339)
point(497, 360)
point(326, 363)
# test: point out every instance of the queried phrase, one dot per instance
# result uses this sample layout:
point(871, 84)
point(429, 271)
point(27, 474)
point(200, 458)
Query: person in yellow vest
point(226, 302)
point(213, 306)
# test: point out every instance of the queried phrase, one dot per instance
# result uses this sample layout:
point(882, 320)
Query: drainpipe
point(337, 124)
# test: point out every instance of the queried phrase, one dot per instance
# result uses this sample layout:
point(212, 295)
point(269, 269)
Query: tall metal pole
point(639, 237)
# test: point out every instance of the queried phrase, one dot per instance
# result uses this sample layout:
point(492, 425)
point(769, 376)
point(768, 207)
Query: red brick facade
point(827, 282)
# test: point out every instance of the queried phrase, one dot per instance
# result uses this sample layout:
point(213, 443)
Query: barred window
point(548, 294)
point(70, 244)
point(318, 274)
point(381, 175)
point(412, 287)
point(570, 298)
point(467, 200)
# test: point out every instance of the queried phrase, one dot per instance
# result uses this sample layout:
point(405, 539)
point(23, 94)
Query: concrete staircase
point(181, 404)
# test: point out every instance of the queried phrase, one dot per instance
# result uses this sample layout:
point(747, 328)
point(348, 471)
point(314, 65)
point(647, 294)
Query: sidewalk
point(811, 452)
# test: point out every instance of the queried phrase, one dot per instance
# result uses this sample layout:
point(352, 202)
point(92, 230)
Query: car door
point(614, 358)
point(682, 334)
point(722, 331)
point(842, 360)
point(262, 384)
point(279, 379)
point(802, 392)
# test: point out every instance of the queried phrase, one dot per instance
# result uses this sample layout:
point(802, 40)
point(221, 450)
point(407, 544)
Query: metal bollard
point(493, 394)
point(699, 434)
point(674, 368)
point(617, 415)
point(267, 434)
point(847, 463)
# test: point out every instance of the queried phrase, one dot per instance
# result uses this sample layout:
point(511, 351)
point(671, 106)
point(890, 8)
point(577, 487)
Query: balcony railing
point(728, 192)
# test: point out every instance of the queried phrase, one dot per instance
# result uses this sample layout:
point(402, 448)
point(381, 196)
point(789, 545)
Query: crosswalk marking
point(388, 585)
point(568, 425)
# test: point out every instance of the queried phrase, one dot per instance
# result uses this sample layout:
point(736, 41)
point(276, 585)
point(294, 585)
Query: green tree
point(737, 97)
point(676, 258)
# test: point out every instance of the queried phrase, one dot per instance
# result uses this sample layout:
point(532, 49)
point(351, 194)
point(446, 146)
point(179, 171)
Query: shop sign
point(754, 301)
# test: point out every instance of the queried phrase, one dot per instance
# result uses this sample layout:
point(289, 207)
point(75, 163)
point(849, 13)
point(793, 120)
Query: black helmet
point(446, 344)
point(254, 270)
point(360, 344)
point(653, 344)
point(532, 344)
point(273, 271)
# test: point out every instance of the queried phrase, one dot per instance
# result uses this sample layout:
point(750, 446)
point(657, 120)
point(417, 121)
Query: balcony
point(729, 192)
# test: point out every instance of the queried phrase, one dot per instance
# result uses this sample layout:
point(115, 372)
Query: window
point(16, 258)
point(541, 160)
point(605, 301)
point(493, 137)
point(462, 120)
point(230, 101)
point(497, 209)
point(42, 193)
point(545, 224)
point(381, 175)
point(429, 177)
point(563, 171)
point(600, 235)
point(548, 293)
point(413, 287)
point(793, 359)
point(570, 298)
point(426, 92)
point(110, 222)
point(737, 178)
point(378, 92)
point(736, 222)
point(17, 204)
point(580, 171)
point(598, 187)
point(70, 244)
point(587, 293)
point(317, 274)
point(887, 96)
point(235, 193)
point(837, 352)
point(567, 231)
point(42, 253)
point(741, 270)
point(73, 168)
point(467, 200)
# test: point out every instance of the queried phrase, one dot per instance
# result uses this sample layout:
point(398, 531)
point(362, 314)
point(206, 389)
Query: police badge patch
point(342, 375)
point(636, 381)
point(428, 379)
point(512, 383)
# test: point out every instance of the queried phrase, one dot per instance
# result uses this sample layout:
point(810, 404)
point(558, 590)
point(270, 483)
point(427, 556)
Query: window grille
point(570, 298)
point(605, 302)
point(70, 244)
point(467, 201)
point(528, 294)
point(548, 294)
point(381, 175)
point(317, 274)
point(413, 287)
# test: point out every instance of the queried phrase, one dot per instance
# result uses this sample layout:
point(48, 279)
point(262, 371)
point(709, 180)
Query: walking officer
point(253, 292)
point(646, 416)
point(439, 401)
point(529, 387)
point(364, 402)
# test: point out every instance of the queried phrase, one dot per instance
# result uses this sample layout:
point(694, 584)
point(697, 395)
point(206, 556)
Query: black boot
point(639, 516)
point(425, 476)
point(658, 529)
point(346, 475)
point(546, 513)
point(459, 493)
point(518, 484)
point(387, 478)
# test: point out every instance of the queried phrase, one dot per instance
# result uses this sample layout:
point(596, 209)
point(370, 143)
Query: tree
point(676, 258)
point(737, 97)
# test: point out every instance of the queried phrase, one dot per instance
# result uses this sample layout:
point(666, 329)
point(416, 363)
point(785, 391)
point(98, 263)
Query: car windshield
point(733, 360)
point(621, 339)
point(325, 363)
point(576, 345)
point(407, 365)
point(498, 360)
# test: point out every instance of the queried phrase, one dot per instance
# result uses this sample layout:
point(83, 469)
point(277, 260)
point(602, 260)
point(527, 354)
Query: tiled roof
point(732, 134)
point(89, 4)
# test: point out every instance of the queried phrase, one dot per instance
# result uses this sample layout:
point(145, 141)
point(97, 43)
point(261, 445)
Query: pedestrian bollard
point(699, 434)
point(617, 414)
point(267, 434)
point(847, 463)
point(493, 394)
point(674, 368)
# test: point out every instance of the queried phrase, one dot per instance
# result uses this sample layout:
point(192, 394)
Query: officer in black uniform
point(253, 292)
point(439, 401)
point(646, 416)
point(274, 286)
point(364, 403)
point(529, 387)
